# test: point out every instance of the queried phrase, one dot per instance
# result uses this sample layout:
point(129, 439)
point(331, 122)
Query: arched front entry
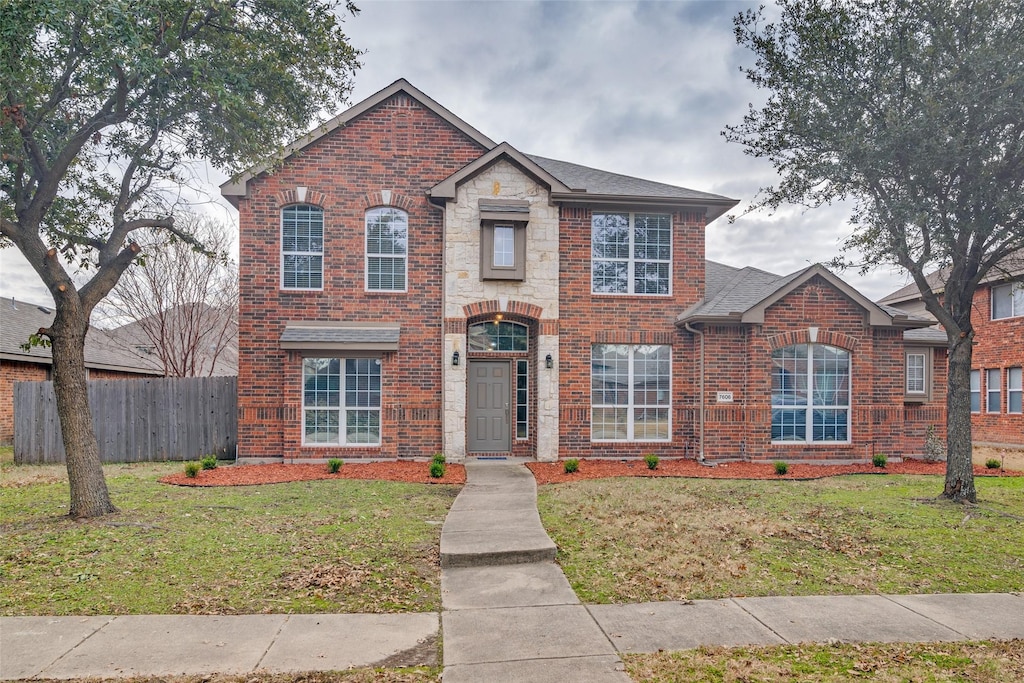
point(500, 404)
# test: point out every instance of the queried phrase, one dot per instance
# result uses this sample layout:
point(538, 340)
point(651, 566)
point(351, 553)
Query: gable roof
point(19, 320)
point(447, 187)
point(237, 188)
point(1011, 267)
point(742, 295)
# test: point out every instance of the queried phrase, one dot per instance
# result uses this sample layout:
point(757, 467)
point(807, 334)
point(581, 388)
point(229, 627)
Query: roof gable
point(446, 189)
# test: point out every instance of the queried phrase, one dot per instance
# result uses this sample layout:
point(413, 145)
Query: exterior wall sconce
point(549, 362)
point(455, 358)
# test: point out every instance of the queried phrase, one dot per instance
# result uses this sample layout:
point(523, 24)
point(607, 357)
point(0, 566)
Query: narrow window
point(504, 246)
point(916, 373)
point(810, 394)
point(631, 253)
point(302, 247)
point(975, 391)
point(341, 401)
point(522, 395)
point(1014, 390)
point(631, 392)
point(992, 391)
point(387, 234)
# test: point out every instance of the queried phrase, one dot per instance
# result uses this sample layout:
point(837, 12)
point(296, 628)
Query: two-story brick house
point(410, 286)
point(997, 364)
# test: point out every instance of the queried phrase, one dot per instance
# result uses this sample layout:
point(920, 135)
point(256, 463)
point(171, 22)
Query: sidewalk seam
point(963, 636)
point(73, 647)
point(753, 616)
point(273, 639)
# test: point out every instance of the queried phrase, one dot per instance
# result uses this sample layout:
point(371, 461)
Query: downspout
point(700, 402)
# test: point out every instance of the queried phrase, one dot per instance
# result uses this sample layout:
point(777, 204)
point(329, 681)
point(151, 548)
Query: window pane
point(631, 389)
point(915, 373)
point(650, 278)
point(522, 396)
point(1015, 390)
point(1002, 301)
point(385, 273)
point(504, 246)
point(652, 236)
point(975, 391)
point(789, 375)
point(789, 425)
point(651, 376)
point(610, 277)
point(362, 427)
point(992, 398)
point(498, 336)
point(387, 231)
point(830, 425)
point(321, 382)
point(609, 374)
point(610, 235)
point(650, 423)
point(609, 424)
point(321, 426)
point(831, 376)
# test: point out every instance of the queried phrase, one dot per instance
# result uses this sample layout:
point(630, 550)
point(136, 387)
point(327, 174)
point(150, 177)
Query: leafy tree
point(104, 104)
point(914, 109)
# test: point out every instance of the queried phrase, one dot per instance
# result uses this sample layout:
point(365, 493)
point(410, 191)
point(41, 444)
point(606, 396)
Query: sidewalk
point(508, 614)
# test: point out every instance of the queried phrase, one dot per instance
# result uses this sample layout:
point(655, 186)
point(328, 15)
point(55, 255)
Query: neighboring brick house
point(409, 286)
point(105, 357)
point(997, 384)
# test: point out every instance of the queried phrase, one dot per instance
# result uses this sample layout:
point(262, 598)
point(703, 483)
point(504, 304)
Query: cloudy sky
point(641, 88)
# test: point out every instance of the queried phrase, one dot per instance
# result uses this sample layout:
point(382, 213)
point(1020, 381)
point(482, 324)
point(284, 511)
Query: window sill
point(916, 398)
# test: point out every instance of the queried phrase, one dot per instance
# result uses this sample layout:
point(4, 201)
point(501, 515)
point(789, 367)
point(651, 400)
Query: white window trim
point(989, 392)
point(1016, 289)
point(281, 251)
point(526, 437)
point(809, 407)
point(1019, 389)
point(923, 391)
point(367, 255)
point(631, 260)
point(631, 406)
point(975, 373)
point(341, 409)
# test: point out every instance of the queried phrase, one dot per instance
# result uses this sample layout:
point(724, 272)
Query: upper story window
point(631, 253)
point(810, 394)
point(498, 336)
point(387, 236)
point(302, 247)
point(1008, 300)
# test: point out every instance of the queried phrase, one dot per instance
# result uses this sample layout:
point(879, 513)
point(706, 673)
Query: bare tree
point(179, 303)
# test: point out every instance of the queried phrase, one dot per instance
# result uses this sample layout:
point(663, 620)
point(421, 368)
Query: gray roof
point(596, 181)
point(1010, 267)
point(932, 336)
point(104, 350)
point(340, 336)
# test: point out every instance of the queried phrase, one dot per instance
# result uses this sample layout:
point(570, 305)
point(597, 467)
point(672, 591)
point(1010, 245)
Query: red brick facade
point(999, 345)
point(393, 153)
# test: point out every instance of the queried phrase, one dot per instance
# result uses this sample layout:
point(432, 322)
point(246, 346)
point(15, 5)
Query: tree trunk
point(959, 468)
point(89, 495)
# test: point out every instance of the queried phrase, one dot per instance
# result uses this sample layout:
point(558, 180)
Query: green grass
point(994, 662)
point(634, 540)
point(322, 546)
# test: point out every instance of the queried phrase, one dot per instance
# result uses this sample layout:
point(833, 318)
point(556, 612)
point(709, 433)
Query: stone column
point(455, 398)
point(547, 399)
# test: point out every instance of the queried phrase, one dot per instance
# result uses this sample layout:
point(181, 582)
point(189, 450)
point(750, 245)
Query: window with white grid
point(341, 401)
point(631, 392)
point(302, 247)
point(810, 394)
point(387, 236)
point(631, 253)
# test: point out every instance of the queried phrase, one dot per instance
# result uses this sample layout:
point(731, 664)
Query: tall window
point(916, 373)
point(631, 253)
point(341, 401)
point(387, 234)
point(630, 392)
point(302, 247)
point(522, 396)
point(975, 391)
point(504, 246)
point(1008, 300)
point(810, 394)
point(993, 391)
point(1014, 390)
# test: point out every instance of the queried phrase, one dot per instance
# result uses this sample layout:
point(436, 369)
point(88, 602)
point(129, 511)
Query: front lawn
point(636, 540)
point(318, 546)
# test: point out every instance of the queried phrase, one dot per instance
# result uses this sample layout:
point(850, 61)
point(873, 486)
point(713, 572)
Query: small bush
point(652, 461)
point(781, 467)
point(571, 465)
point(439, 457)
point(437, 469)
point(993, 464)
point(209, 462)
point(192, 469)
point(334, 464)
point(879, 460)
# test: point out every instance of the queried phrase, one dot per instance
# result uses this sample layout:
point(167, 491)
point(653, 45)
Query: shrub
point(879, 460)
point(992, 464)
point(209, 462)
point(652, 461)
point(334, 464)
point(439, 457)
point(192, 469)
point(781, 467)
point(571, 465)
point(437, 469)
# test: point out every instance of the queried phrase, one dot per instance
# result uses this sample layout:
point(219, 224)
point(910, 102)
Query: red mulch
point(277, 473)
point(552, 472)
point(548, 472)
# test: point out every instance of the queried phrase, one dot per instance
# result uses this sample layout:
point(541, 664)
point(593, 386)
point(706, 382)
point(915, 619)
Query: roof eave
point(714, 208)
point(447, 188)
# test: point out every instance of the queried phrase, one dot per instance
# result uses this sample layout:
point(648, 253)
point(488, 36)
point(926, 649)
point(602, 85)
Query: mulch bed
point(548, 472)
point(552, 472)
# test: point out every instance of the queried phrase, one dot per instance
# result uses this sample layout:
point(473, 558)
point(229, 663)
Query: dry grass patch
point(1011, 458)
point(636, 540)
point(987, 662)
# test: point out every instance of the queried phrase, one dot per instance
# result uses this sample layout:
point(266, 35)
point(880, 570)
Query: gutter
point(700, 402)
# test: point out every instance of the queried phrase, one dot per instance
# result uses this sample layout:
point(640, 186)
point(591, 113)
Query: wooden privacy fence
point(136, 420)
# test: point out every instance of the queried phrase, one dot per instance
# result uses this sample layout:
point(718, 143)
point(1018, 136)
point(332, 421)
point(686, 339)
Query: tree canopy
point(106, 107)
point(914, 109)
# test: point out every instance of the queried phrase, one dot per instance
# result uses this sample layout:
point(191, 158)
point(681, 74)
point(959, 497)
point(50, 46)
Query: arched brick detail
point(314, 197)
point(828, 337)
point(520, 308)
point(397, 200)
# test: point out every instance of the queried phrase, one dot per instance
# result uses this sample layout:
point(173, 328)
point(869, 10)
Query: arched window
point(302, 247)
point(387, 236)
point(810, 394)
point(498, 336)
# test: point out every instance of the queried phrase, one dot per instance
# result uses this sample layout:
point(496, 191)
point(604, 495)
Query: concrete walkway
point(508, 615)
